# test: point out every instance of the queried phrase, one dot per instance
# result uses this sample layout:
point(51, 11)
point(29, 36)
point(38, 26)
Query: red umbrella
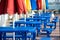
point(2, 6)
point(15, 6)
point(39, 4)
point(10, 7)
point(24, 6)
point(5, 6)
point(19, 6)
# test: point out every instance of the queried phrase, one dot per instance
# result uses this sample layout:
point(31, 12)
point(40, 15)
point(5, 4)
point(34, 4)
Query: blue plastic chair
point(52, 26)
point(45, 38)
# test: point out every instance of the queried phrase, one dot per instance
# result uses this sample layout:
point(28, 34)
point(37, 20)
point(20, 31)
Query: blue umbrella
point(46, 4)
point(33, 4)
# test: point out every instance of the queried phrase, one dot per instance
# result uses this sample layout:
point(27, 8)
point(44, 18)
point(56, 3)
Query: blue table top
point(27, 22)
point(43, 16)
point(33, 18)
point(16, 29)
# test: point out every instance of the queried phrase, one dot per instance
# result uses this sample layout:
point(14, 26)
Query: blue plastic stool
point(45, 38)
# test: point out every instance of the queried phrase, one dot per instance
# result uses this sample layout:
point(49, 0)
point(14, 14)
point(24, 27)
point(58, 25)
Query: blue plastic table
point(19, 29)
point(34, 24)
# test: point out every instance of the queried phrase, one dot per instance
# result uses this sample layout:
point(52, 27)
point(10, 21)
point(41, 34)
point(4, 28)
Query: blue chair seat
point(45, 38)
point(50, 24)
point(55, 19)
point(48, 29)
point(17, 36)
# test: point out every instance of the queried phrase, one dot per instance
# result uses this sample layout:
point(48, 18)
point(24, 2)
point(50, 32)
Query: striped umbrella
point(5, 6)
point(10, 7)
point(28, 5)
point(46, 4)
point(19, 6)
point(15, 6)
point(24, 7)
point(33, 4)
point(2, 6)
point(39, 4)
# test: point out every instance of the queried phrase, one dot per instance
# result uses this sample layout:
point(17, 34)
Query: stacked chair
point(27, 28)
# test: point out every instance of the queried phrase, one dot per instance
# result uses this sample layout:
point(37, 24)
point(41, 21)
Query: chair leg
point(4, 34)
point(48, 34)
point(34, 35)
point(0, 35)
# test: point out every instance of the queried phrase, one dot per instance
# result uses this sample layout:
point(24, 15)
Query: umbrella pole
point(25, 19)
point(0, 20)
point(13, 28)
point(4, 20)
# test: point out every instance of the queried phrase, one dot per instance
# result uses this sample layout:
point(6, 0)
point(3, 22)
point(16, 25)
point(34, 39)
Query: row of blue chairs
point(30, 25)
point(38, 21)
point(20, 32)
point(43, 19)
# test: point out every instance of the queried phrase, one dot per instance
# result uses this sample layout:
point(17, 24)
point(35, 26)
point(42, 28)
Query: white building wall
point(54, 4)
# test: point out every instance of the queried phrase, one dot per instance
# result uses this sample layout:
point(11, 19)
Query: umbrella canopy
point(15, 6)
point(28, 5)
point(5, 6)
point(2, 4)
point(19, 6)
point(24, 7)
point(10, 7)
point(33, 4)
point(39, 4)
point(46, 4)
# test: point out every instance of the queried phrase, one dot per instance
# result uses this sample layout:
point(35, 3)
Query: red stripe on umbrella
point(39, 4)
point(15, 6)
point(20, 6)
point(2, 6)
point(24, 6)
point(5, 6)
point(10, 8)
